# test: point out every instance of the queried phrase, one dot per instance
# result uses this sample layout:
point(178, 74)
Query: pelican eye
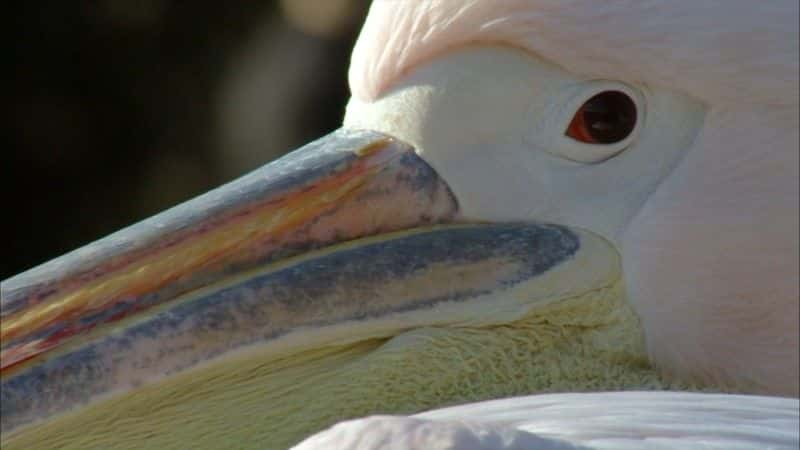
point(607, 118)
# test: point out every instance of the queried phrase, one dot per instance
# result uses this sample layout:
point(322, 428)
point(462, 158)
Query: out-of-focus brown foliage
point(122, 108)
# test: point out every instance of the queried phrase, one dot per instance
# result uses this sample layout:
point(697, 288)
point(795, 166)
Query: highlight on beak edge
point(343, 186)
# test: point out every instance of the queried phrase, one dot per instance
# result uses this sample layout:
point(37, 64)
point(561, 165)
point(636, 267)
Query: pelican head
point(526, 196)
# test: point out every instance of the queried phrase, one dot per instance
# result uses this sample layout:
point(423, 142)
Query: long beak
point(341, 187)
point(274, 259)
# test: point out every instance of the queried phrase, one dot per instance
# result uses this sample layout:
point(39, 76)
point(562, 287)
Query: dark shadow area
point(122, 108)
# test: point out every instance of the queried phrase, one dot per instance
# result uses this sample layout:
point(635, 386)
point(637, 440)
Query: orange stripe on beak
point(343, 186)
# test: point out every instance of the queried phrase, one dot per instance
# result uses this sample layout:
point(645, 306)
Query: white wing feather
point(614, 420)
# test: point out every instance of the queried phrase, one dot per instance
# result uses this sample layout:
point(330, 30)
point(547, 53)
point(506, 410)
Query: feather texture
point(712, 50)
point(614, 420)
point(711, 258)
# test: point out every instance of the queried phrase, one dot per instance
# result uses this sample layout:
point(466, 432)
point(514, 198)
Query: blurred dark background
point(122, 108)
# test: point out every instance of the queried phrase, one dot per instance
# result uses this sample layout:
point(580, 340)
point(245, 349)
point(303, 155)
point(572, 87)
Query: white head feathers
point(710, 50)
point(711, 258)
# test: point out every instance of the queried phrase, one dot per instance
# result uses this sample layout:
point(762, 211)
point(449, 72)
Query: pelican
point(526, 197)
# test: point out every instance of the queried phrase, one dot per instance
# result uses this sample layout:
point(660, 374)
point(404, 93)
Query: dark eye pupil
point(606, 118)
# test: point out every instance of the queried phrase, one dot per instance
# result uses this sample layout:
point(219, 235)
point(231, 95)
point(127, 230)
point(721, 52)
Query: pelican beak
point(352, 238)
point(344, 186)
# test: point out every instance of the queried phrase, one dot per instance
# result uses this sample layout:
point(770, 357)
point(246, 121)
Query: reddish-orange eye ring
point(607, 118)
